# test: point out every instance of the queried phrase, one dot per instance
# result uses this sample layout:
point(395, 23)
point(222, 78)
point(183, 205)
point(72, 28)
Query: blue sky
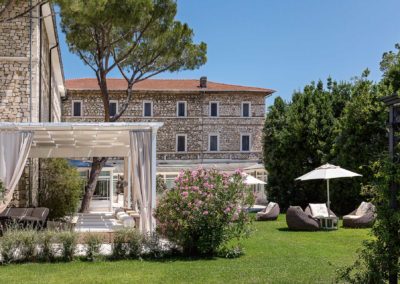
point(282, 44)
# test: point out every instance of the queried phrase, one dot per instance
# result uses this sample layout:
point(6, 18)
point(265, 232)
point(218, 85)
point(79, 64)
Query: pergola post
point(153, 176)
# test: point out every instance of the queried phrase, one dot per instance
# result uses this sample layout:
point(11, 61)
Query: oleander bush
point(93, 246)
point(127, 244)
point(47, 251)
point(203, 211)
point(68, 240)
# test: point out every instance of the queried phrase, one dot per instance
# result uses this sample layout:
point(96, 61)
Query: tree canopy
point(341, 123)
point(141, 38)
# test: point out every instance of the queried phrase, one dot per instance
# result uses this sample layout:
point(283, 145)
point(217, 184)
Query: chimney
point(203, 82)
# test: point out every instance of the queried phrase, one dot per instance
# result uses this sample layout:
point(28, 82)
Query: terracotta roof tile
point(160, 85)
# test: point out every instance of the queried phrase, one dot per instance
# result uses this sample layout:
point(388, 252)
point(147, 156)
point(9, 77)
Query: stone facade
point(197, 125)
point(25, 75)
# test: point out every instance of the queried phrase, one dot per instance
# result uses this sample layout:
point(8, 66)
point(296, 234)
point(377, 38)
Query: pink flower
point(227, 210)
point(185, 194)
point(238, 171)
point(194, 173)
point(205, 212)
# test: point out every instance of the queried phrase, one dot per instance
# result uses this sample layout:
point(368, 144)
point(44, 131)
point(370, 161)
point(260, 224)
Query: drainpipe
point(40, 81)
point(40, 59)
point(30, 61)
point(50, 78)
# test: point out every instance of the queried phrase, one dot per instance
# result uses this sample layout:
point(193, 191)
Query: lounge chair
point(35, 217)
point(270, 213)
point(363, 217)
point(297, 219)
point(318, 210)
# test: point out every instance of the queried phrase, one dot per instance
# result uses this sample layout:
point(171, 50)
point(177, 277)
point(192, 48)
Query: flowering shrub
point(204, 211)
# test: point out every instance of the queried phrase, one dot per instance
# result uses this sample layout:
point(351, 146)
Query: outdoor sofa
point(24, 217)
point(297, 219)
point(362, 217)
point(270, 213)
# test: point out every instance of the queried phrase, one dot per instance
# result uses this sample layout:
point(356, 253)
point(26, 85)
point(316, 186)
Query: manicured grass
point(273, 255)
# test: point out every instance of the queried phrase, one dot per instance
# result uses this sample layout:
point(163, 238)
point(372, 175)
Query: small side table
point(329, 223)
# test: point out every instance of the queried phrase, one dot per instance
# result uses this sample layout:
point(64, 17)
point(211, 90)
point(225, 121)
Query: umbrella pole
point(327, 193)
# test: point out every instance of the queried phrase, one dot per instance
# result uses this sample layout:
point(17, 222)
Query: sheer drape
point(14, 151)
point(141, 158)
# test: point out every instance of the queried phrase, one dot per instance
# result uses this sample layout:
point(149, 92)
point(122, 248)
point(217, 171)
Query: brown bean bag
point(297, 219)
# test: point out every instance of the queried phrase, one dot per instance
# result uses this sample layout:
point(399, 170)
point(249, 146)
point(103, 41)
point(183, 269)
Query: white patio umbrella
point(249, 180)
point(328, 172)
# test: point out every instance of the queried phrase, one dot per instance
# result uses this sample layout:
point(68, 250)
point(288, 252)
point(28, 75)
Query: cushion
point(269, 207)
point(364, 208)
point(17, 212)
point(40, 212)
point(127, 221)
point(5, 212)
point(319, 210)
point(120, 214)
point(351, 217)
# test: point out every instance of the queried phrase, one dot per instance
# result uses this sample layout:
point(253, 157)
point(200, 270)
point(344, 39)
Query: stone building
point(31, 75)
point(205, 123)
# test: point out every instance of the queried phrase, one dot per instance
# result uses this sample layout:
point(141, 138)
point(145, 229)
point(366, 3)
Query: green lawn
point(273, 255)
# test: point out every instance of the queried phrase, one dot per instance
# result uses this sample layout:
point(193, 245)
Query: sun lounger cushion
point(319, 210)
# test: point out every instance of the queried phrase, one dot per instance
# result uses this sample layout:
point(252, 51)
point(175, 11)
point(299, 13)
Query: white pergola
point(136, 142)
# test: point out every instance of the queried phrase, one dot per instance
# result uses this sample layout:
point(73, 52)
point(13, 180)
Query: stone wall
point(197, 125)
point(14, 65)
point(15, 84)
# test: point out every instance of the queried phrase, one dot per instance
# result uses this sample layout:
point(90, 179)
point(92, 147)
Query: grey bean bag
point(363, 217)
point(270, 213)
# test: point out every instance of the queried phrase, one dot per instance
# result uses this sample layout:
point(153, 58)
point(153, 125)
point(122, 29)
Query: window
point(113, 108)
point(181, 109)
point(245, 142)
point(147, 108)
point(76, 108)
point(246, 109)
point(214, 109)
point(181, 143)
point(213, 142)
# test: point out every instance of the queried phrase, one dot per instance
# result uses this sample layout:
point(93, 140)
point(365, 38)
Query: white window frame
point(241, 139)
point(117, 107)
point(209, 142)
point(241, 110)
point(73, 108)
point(151, 108)
point(209, 108)
point(176, 143)
point(177, 108)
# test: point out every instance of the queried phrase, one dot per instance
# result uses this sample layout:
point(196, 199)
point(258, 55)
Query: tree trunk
point(97, 166)
point(97, 163)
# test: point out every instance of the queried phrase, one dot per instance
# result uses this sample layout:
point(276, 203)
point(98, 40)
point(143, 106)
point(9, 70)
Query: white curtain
point(141, 159)
point(14, 151)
